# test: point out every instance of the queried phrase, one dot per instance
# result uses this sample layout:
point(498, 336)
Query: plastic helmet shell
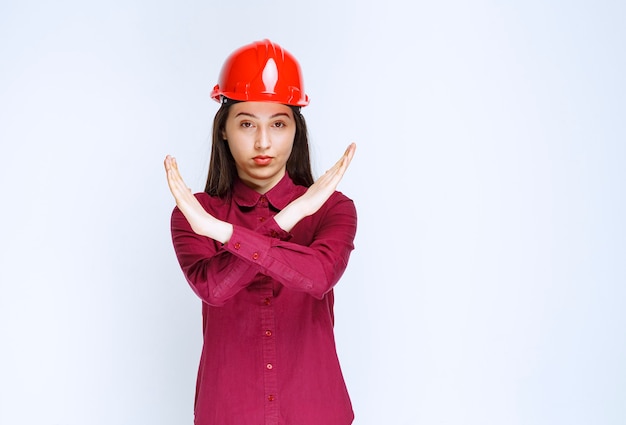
point(261, 72)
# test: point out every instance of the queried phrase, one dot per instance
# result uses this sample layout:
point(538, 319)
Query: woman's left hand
point(316, 194)
point(201, 222)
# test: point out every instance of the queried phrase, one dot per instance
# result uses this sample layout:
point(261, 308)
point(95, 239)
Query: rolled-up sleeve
point(315, 268)
point(217, 272)
point(215, 275)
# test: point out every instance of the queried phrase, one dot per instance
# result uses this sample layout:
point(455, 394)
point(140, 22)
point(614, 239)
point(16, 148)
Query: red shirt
point(269, 351)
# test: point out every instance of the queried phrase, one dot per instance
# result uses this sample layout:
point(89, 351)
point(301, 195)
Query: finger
point(173, 176)
point(351, 151)
point(337, 164)
point(175, 164)
point(333, 175)
point(347, 155)
point(175, 173)
point(347, 151)
point(336, 173)
point(172, 168)
point(168, 162)
point(179, 189)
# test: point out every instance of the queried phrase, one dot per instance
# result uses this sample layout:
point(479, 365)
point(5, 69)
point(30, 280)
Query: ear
point(224, 135)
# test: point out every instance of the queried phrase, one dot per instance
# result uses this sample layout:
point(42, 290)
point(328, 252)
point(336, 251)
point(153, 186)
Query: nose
point(263, 141)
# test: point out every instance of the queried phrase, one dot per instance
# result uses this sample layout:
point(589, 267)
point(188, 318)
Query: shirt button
point(273, 233)
point(269, 366)
point(237, 245)
point(255, 256)
point(271, 397)
point(268, 333)
point(261, 219)
point(267, 301)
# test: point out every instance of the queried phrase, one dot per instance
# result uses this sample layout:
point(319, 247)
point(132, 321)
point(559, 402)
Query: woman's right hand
point(201, 222)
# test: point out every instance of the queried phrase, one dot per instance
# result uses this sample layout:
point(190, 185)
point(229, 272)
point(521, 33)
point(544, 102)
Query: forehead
point(260, 109)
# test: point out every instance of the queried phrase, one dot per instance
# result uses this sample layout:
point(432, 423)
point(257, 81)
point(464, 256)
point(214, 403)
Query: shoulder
point(211, 204)
point(338, 204)
point(338, 216)
point(206, 199)
point(339, 198)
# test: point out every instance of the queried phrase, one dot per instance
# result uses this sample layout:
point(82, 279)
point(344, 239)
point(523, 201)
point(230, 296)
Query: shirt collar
point(279, 196)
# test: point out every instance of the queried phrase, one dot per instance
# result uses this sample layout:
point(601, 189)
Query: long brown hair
point(222, 169)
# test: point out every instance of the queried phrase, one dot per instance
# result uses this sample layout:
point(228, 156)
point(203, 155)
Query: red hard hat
point(263, 72)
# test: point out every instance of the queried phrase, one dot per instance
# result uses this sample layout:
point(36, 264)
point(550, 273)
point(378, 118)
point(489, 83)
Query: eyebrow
point(247, 114)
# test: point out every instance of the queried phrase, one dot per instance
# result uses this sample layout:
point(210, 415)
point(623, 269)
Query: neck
point(261, 186)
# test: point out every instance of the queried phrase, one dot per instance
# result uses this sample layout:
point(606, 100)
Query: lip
point(262, 159)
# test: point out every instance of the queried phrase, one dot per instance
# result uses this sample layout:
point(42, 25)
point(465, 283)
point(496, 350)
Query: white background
point(487, 286)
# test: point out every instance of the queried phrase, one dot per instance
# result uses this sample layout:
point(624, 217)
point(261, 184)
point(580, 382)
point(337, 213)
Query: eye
point(279, 124)
point(246, 124)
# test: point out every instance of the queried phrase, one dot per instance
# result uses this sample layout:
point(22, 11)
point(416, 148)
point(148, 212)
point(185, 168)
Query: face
point(260, 136)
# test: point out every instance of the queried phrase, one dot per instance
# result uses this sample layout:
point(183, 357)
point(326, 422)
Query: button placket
point(263, 210)
point(268, 343)
point(268, 361)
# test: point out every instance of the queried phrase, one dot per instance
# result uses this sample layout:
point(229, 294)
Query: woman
point(263, 247)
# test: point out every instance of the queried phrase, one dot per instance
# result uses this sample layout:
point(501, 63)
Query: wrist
point(289, 216)
point(221, 231)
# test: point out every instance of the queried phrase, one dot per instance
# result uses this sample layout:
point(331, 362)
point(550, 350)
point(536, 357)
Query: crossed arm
point(217, 271)
point(205, 224)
